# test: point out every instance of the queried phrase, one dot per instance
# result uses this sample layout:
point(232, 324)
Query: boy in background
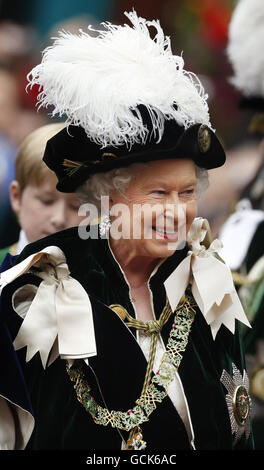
point(40, 209)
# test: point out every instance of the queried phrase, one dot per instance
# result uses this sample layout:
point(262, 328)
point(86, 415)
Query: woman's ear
point(111, 202)
point(15, 196)
point(116, 197)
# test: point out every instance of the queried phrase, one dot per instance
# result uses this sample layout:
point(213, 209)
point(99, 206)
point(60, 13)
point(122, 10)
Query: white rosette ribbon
point(210, 278)
point(59, 319)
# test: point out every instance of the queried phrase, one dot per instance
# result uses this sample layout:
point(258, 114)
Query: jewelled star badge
point(238, 402)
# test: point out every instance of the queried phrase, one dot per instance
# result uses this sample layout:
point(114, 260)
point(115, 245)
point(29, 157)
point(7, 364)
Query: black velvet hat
point(127, 99)
point(73, 157)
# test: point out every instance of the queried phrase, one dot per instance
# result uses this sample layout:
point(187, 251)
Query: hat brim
point(176, 143)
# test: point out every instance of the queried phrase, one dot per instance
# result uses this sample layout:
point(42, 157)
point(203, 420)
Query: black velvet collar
point(112, 267)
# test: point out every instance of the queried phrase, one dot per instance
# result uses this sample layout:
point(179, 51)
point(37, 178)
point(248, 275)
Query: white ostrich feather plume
point(245, 47)
point(98, 81)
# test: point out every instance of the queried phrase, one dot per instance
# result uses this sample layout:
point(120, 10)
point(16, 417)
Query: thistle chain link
point(151, 394)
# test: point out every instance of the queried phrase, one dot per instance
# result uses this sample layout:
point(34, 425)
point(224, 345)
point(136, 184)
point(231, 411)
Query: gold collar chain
point(151, 328)
point(155, 389)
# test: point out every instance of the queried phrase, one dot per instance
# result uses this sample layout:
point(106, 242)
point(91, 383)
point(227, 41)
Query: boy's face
point(42, 210)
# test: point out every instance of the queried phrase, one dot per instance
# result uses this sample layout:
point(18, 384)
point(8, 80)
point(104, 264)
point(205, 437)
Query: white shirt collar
point(22, 242)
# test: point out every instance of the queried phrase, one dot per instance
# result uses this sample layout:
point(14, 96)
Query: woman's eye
point(187, 193)
point(158, 192)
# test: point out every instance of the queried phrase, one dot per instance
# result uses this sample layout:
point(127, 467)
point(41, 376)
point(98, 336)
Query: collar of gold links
point(151, 328)
point(146, 404)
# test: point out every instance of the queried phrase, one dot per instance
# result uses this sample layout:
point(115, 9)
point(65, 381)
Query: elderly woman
point(126, 332)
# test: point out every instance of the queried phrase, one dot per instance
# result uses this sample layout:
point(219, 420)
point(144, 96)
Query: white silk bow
point(211, 281)
point(59, 318)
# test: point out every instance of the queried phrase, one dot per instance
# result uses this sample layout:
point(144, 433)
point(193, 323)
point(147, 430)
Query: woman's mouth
point(166, 234)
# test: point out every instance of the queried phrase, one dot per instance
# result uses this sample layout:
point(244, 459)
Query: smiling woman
point(144, 188)
point(134, 327)
point(161, 202)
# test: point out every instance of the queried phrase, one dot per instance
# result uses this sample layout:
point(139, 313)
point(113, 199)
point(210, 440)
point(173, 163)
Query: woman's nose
point(175, 208)
point(173, 198)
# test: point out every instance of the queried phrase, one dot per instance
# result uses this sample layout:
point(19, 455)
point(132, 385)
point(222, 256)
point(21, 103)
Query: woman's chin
point(162, 248)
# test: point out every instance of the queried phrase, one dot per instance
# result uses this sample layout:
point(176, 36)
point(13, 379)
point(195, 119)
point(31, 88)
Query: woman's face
point(156, 212)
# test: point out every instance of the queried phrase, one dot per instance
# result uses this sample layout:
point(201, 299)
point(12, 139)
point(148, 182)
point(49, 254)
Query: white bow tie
point(60, 316)
point(211, 281)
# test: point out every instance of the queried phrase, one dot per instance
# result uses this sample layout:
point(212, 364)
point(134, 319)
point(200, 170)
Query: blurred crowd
point(18, 116)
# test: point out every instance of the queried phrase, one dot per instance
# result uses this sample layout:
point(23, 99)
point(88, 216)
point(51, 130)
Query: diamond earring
point(104, 226)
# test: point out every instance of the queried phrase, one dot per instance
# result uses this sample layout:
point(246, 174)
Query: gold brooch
point(204, 138)
point(238, 402)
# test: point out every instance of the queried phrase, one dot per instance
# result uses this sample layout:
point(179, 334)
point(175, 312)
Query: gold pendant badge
point(135, 440)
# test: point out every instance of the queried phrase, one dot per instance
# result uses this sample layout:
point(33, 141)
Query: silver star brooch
point(238, 402)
